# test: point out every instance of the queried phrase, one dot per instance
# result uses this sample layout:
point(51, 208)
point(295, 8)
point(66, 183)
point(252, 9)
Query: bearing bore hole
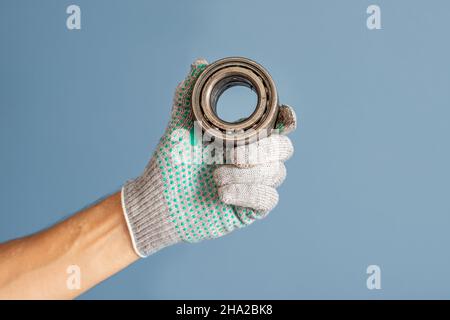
point(236, 103)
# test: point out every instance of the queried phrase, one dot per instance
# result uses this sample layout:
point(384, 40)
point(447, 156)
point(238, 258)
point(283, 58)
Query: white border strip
point(130, 230)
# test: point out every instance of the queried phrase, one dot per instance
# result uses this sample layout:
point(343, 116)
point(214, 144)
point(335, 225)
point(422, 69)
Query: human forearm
point(96, 240)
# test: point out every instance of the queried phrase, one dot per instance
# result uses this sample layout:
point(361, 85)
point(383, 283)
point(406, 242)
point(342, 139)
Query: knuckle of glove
point(270, 174)
point(258, 197)
point(274, 148)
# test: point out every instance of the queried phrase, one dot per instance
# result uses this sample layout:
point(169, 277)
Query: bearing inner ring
point(226, 73)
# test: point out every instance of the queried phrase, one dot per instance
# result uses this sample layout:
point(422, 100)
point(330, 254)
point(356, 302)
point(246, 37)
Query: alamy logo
point(374, 279)
point(73, 21)
point(73, 281)
point(199, 146)
point(374, 20)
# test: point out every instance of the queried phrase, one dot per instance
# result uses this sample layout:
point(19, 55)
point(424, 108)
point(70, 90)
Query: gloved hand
point(184, 200)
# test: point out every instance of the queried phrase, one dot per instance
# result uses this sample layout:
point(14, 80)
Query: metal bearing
point(223, 74)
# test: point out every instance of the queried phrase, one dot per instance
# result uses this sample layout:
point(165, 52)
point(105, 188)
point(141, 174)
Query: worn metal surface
point(226, 73)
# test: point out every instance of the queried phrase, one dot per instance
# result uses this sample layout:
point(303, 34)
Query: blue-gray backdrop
point(82, 110)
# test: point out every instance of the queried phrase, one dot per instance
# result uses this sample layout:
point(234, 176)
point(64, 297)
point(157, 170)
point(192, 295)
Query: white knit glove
point(179, 198)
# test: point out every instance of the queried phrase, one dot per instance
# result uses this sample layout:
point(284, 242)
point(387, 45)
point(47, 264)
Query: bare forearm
point(95, 240)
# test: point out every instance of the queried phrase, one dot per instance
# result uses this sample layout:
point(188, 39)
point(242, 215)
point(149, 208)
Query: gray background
point(81, 111)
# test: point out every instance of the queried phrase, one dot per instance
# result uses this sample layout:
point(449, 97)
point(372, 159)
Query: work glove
point(180, 197)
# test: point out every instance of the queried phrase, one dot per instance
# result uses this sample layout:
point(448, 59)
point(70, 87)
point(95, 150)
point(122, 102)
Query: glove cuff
point(147, 214)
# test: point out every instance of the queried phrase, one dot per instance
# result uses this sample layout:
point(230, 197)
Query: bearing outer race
point(235, 70)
